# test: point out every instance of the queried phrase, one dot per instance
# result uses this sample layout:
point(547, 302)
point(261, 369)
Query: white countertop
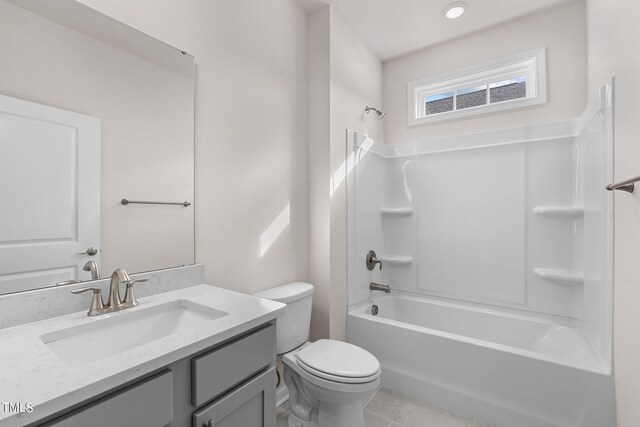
point(31, 372)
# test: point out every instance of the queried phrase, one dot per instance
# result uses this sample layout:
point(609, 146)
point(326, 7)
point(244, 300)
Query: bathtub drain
point(374, 310)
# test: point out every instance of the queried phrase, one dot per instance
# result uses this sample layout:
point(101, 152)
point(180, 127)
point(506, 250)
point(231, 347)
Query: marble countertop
point(30, 372)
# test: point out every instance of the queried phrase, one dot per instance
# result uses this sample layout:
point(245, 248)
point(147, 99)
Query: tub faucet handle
point(372, 260)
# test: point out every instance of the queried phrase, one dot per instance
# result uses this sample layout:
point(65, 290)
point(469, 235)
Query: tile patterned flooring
point(388, 408)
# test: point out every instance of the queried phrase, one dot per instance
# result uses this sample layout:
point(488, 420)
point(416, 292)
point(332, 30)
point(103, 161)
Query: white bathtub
point(506, 369)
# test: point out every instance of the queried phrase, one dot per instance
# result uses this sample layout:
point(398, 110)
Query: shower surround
point(498, 251)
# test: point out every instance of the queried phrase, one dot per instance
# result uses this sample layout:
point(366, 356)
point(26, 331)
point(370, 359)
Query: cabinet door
point(224, 368)
point(252, 404)
point(146, 404)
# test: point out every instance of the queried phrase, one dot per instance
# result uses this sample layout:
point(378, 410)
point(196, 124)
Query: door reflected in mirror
point(88, 117)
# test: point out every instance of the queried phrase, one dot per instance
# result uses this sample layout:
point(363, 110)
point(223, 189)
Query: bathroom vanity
point(209, 361)
point(236, 380)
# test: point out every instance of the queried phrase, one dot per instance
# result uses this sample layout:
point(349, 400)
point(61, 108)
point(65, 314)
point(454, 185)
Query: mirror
point(91, 112)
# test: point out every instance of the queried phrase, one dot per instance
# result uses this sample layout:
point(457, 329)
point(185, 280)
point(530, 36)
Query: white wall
point(562, 30)
point(354, 80)
point(613, 35)
point(319, 136)
point(146, 114)
point(251, 131)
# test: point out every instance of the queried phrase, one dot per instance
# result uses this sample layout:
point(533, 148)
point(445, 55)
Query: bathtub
point(503, 368)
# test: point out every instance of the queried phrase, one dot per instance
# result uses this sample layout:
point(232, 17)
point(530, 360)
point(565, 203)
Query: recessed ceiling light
point(455, 9)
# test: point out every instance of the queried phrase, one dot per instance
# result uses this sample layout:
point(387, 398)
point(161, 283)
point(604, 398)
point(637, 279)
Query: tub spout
point(379, 287)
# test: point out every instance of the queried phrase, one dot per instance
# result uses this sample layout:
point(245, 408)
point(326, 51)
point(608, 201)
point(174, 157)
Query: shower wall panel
point(472, 223)
point(551, 239)
point(399, 230)
point(367, 186)
point(596, 147)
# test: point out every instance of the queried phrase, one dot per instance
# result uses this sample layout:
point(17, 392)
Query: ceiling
point(394, 27)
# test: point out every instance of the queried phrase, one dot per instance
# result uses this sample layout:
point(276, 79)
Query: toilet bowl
point(321, 391)
point(326, 380)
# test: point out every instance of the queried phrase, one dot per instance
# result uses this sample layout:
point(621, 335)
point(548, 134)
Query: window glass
point(471, 97)
point(440, 103)
point(506, 90)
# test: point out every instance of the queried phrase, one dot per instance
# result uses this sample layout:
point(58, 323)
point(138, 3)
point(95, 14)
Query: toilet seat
point(336, 378)
point(339, 361)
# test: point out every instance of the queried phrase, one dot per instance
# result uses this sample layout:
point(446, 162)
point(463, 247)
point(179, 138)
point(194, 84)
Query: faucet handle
point(130, 299)
point(372, 260)
point(97, 306)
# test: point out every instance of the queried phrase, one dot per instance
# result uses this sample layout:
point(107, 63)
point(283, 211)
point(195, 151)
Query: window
point(506, 83)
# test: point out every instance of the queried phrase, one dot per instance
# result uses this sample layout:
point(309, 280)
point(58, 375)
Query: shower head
point(380, 114)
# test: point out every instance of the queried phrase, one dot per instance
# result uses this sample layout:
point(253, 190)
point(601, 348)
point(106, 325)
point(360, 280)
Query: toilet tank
point(292, 328)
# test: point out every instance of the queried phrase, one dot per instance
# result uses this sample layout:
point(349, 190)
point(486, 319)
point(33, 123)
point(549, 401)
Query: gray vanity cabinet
point(250, 405)
point(145, 404)
point(231, 384)
point(219, 370)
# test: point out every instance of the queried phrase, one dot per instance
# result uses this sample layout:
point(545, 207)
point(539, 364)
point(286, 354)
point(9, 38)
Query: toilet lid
point(338, 359)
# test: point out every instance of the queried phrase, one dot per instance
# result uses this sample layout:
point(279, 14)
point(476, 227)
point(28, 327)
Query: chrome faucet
point(379, 287)
point(114, 303)
point(119, 275)
point(92, 266)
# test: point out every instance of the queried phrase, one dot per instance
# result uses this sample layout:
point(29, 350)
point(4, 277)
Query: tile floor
point(388, 408)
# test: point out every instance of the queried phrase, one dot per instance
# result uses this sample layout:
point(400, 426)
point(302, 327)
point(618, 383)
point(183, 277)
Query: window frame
point(530, 64)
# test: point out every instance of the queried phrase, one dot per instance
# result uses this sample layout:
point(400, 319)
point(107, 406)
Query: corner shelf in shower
point(395, 259)
point(563, 277)
point(396, 211)
point(560, 211)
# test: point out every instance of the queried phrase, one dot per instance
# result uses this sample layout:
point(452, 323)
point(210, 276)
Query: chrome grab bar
point(626, 185)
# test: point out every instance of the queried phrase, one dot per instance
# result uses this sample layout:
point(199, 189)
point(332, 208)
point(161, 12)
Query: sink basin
point(118, 332)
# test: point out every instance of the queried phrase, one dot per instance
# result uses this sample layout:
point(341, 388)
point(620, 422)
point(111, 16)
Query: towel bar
point(626, 185)
point(127, 202)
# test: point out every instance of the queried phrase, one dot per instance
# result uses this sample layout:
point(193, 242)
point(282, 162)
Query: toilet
point(327, 380)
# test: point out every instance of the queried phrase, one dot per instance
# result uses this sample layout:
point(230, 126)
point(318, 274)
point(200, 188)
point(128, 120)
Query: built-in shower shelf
point(563, 277)
point(395, 259)
point(396, 211)
point(560, 211)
